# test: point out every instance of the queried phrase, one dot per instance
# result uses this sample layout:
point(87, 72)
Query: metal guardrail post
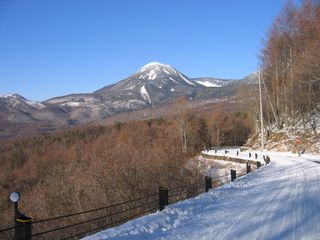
point(163, 197)
point(23, 228)
point(233, 175)
point(208, 183)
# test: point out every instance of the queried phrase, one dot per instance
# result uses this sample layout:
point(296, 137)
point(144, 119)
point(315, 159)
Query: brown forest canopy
point(291, 62)
point(89, 167)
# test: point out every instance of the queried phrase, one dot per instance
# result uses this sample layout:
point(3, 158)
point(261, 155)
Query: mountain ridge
point(153, 84)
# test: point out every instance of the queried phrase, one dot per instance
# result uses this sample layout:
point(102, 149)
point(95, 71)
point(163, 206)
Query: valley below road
point(278, 201)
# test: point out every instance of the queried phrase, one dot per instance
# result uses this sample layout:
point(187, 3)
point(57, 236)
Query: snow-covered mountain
point(15, 108)
point(17, 100)
point(153, 84)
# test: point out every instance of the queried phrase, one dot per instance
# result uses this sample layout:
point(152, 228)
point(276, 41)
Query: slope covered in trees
point(290, 62)
point(78, 169)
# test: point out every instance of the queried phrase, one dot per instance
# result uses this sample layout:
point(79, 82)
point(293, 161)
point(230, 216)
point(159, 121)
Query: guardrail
point(235, 159)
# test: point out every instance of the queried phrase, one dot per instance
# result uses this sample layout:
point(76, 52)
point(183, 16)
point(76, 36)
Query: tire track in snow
point(265, 208)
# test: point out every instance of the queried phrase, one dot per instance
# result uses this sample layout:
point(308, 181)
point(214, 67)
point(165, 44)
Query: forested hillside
point(88, 167)
point(291, 65)
point(290, 82)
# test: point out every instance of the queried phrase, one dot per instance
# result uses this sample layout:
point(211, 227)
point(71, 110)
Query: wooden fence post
point(163, 197)
point(258, 164)
point(233, 175)
point(248, 168)
point(208, 183)
point(268, 159)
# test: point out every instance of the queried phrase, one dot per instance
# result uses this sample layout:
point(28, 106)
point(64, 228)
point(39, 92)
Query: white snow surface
point(152, 65)
point(278, 201)
point(145, 94)
point(152, 75)
point(157, 66)
point(208, 84)
point(71, 104)
point(35, 104)
point(173, 80)
point(186, 80)
point(153, 69)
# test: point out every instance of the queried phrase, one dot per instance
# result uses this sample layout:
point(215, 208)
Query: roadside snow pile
point(279, 201)
point(215, 168)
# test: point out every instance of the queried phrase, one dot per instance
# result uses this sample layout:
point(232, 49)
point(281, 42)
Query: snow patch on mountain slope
point(173, 80)
point(35, 104)
point(186, 80)
point(71, 104)
point(208, 84)
point(152, 75)
point(144, 93)
point(166, 71)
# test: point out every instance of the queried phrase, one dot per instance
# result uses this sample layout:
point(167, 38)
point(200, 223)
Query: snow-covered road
point(280, 201)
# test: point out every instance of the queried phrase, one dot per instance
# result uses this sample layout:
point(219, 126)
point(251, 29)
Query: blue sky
point(51, 48)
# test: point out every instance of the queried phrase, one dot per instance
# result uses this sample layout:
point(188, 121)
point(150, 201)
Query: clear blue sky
point(51, 48)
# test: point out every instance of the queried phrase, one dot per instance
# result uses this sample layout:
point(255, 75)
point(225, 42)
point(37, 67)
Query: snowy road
point(280, 201)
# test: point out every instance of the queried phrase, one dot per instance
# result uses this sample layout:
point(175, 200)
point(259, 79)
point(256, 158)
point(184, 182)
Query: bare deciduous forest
point(291, 64)
point(78, 169)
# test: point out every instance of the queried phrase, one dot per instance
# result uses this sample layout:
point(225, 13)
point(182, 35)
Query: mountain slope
point(152, 85)
point(16, 108)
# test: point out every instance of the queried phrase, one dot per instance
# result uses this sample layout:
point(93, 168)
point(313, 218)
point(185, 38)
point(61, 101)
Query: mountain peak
point(153, 70)
point(153, 65)
point(11, 95)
